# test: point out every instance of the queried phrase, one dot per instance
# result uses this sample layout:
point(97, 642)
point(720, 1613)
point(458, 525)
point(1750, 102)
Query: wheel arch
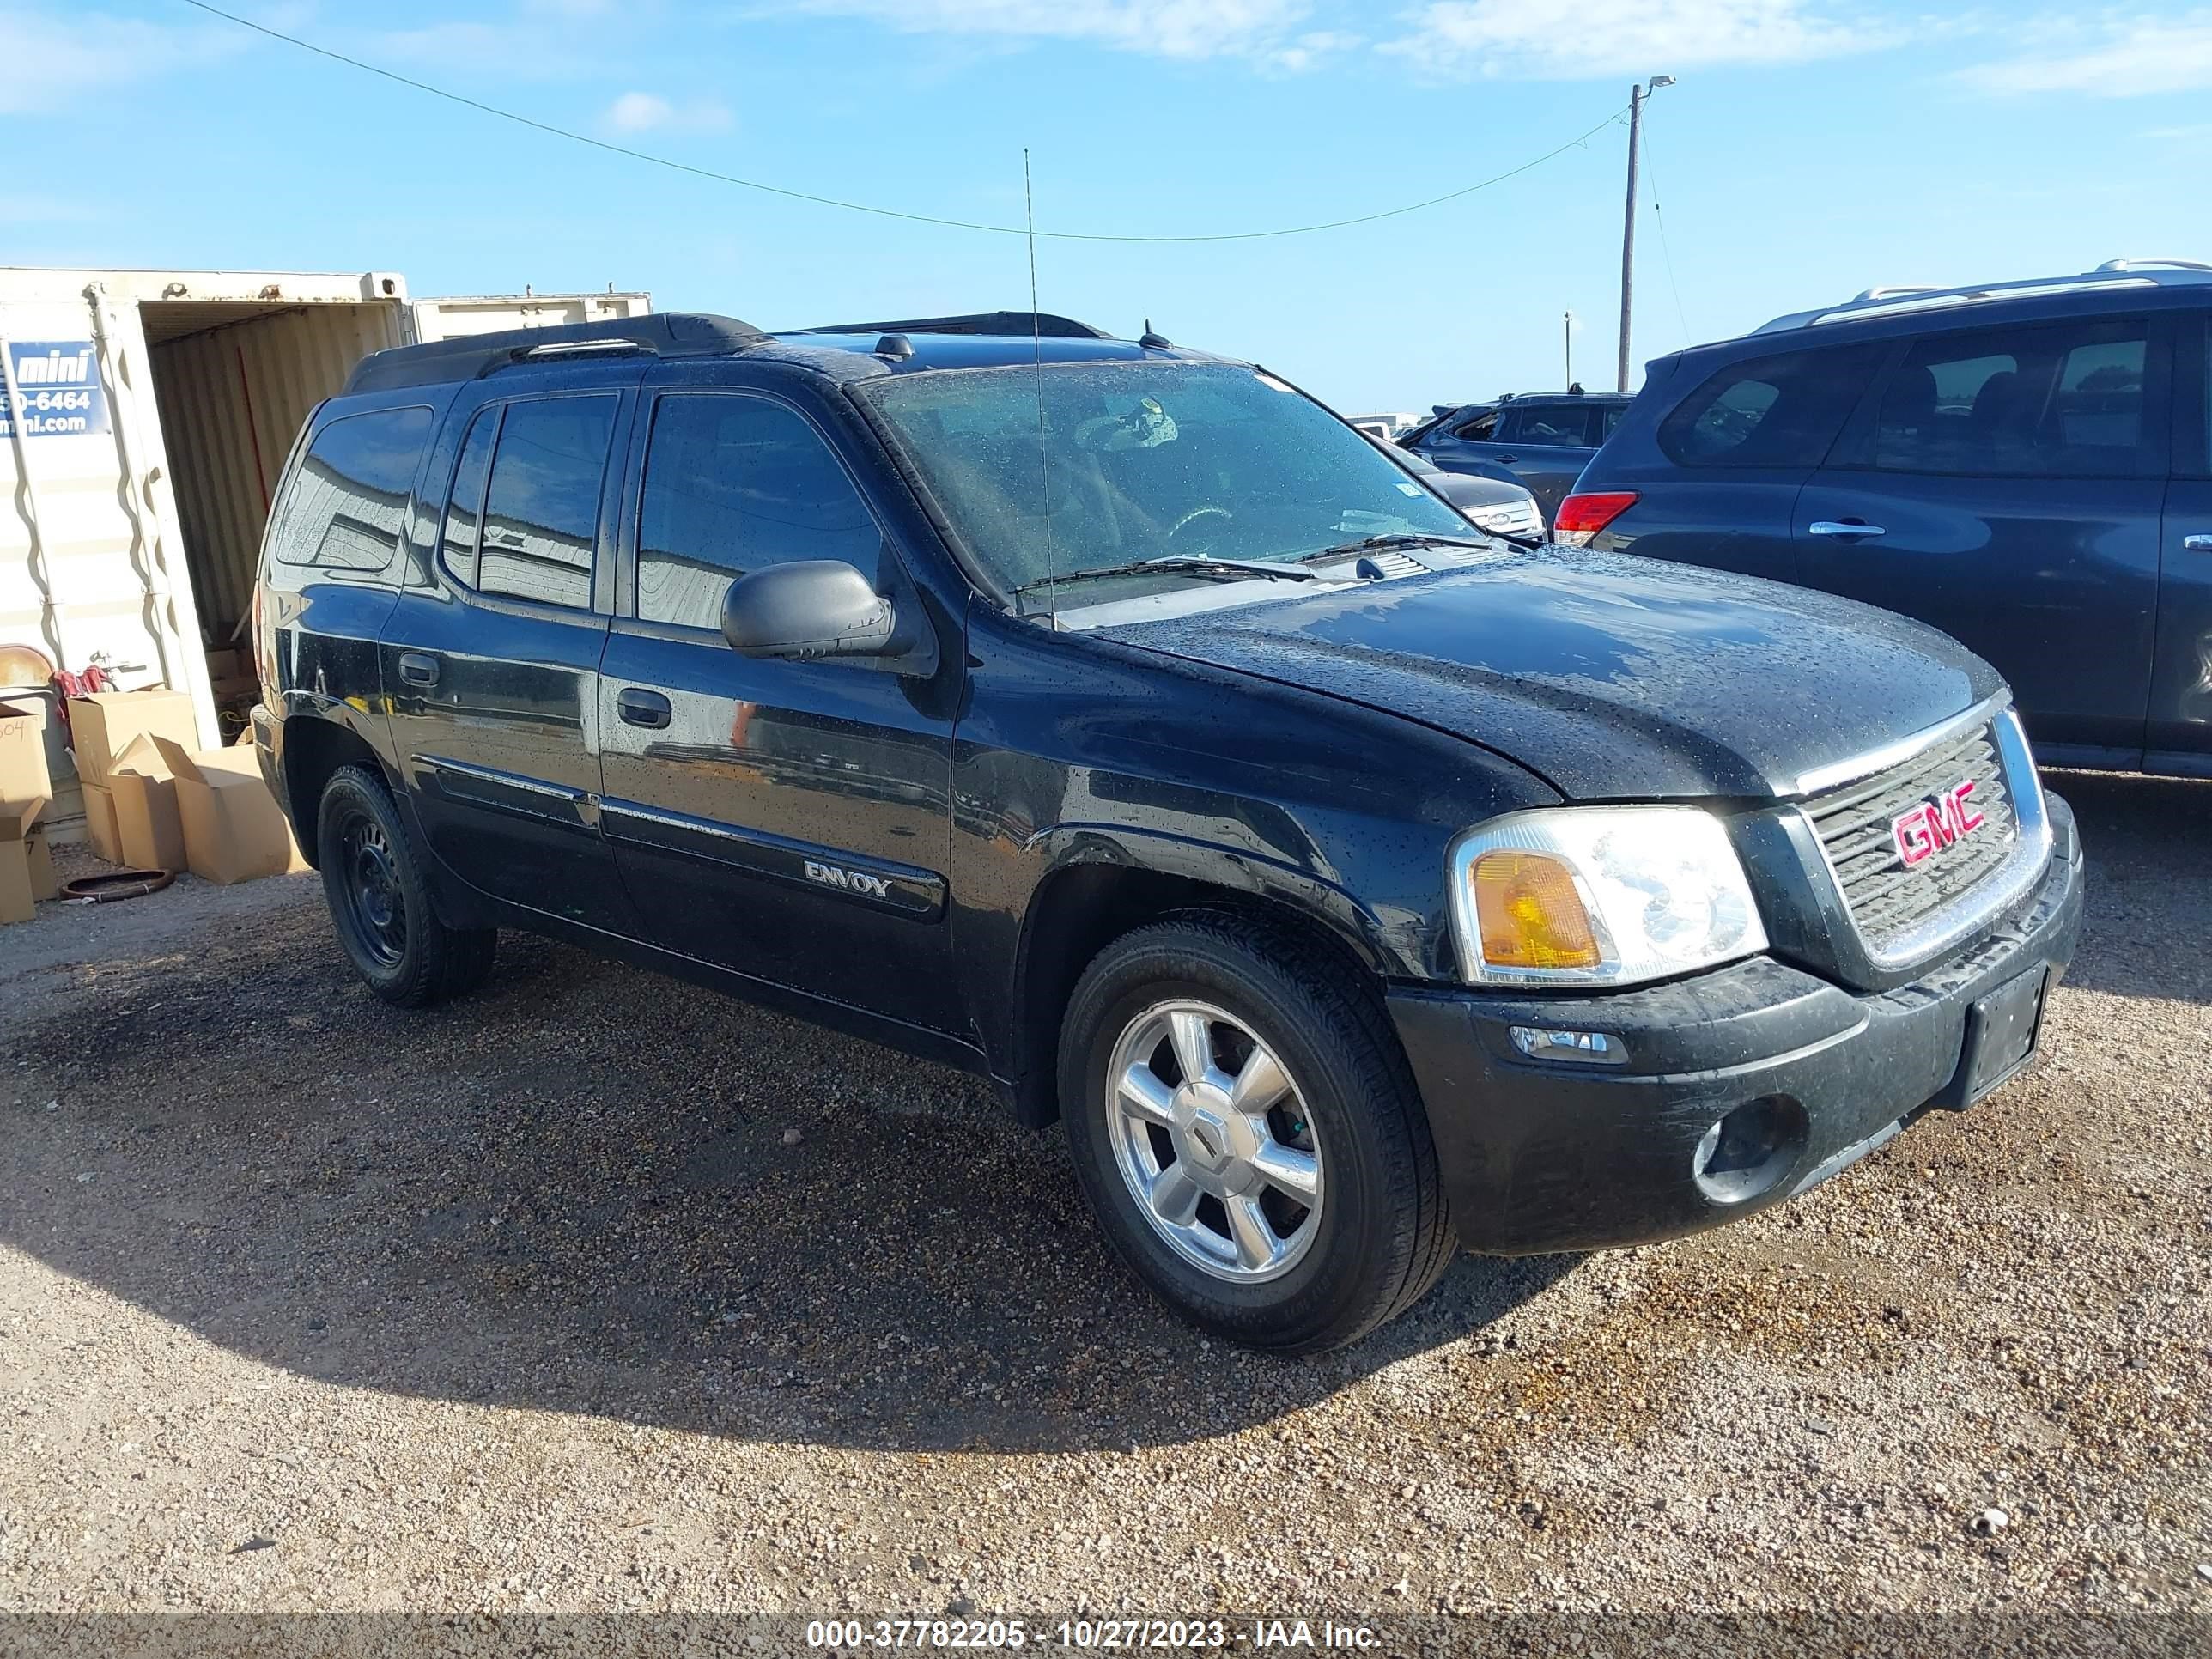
point(1102, 889)
point(315, 748)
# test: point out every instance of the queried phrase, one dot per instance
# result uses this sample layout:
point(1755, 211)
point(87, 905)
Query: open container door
point(156, 409)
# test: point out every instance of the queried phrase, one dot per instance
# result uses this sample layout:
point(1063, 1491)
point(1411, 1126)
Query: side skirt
point(841, 1017)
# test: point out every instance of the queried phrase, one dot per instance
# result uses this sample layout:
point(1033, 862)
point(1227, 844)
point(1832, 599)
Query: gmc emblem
point(1933, 825)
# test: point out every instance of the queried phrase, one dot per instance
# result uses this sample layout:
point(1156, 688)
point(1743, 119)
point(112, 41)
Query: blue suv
point(1541, 441)
point(2024, 465)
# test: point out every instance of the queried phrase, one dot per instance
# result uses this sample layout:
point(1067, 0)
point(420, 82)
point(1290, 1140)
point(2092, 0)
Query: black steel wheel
point(371, 911)
point(374, 881)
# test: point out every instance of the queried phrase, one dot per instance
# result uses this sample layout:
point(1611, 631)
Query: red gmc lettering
point(1933, 825)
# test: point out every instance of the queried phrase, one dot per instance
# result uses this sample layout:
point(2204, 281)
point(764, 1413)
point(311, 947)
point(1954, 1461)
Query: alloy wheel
point(1212, 1137)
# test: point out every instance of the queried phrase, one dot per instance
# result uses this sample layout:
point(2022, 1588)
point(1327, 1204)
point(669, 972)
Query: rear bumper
point(1540, 1155)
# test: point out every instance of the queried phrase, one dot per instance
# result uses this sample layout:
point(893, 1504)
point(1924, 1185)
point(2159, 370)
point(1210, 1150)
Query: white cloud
point(647, 112)
point(2116, 57)
point(1307, 49)
point(35, 209)
point(1602, 39)
point(1265, 30)
point(52, 60)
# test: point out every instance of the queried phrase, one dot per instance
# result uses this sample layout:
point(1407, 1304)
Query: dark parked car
point(2024, 465)
point(1542, 439)
point(1497, 504)
point(1116, 723)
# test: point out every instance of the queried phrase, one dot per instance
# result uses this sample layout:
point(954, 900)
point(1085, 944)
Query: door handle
point(2197, 543)
point(511, 540)
point(417, 669)
point(640, 708)
point(1843, 527)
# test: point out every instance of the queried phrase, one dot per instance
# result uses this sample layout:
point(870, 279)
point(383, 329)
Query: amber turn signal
point(1530, 913)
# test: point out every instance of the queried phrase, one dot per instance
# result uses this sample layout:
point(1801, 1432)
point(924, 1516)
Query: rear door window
point(734, 484)
point(2192, 439)
point(1549, 425)
point(2064, 401)
point(348, 501)
point(1783, 410)
point(541, 517)
point(457, 541)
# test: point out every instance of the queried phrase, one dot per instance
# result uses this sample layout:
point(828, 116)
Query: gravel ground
point(537, 1304)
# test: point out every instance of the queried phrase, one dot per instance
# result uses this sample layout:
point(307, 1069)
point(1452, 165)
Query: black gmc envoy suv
point(1113, 720)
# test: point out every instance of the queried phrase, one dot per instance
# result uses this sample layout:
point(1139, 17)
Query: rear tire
point(1285, 1198)
point(380, 898)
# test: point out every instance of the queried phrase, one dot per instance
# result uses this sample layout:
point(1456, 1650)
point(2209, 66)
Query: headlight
point(1599, 896)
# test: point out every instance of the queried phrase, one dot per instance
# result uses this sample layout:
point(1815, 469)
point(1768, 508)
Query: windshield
point(1083, 466)
point(1412, 460)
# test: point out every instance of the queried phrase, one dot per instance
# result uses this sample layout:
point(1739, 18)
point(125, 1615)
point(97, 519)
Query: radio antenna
point(1036, 342)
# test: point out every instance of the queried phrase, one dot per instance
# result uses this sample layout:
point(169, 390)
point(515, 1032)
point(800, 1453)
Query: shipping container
point(144, 418)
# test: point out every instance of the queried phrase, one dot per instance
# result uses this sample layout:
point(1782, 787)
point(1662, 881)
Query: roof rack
point(1575, 389)
point(1903, 300)
point(1015, 323)
point(470, 356)
point(2155, 264)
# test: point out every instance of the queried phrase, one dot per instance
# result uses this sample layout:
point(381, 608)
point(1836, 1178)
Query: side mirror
point(812, 608)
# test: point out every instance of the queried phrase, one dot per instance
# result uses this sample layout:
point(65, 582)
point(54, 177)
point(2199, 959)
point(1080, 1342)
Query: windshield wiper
point(1178, 564)
point(1400, 539)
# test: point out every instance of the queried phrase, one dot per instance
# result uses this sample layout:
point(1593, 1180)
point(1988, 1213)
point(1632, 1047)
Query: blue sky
point(1810, 150)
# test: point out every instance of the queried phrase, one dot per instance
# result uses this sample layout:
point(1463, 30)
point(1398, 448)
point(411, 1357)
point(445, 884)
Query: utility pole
point(1636, 94)
point(1567, 328)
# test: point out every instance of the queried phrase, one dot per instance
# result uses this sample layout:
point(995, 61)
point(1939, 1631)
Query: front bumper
point(1540, 1155)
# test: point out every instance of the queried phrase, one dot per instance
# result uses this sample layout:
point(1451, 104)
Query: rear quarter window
point(346, 507)
point(1783, 410)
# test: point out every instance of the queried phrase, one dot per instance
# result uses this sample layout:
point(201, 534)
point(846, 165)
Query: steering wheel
point(1197, 513)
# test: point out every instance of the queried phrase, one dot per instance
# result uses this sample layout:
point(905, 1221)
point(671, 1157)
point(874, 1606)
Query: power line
point(865, 207)
point(1666, 253)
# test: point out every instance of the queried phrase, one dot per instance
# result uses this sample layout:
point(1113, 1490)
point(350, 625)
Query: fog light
point(1590, 1048)
point(1745, 1153)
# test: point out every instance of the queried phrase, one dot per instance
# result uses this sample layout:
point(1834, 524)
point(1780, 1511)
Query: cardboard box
point(234, 828)
point(44, 884)
point(23, 774)
point(17, 817)
point(100, 825)
point(103, 726)
point(146, 821)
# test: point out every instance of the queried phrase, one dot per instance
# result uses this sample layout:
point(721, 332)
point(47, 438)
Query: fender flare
point(1066, 846)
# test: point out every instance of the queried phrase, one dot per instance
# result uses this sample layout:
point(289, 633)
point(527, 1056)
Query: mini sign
point(57, 390)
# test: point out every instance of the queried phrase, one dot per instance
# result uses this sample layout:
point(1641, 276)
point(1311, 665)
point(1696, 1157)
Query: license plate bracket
point(2002, 1029)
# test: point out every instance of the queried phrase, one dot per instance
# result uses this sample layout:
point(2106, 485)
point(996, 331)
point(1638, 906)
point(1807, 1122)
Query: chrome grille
point(1521, 518)
point(1854, 822)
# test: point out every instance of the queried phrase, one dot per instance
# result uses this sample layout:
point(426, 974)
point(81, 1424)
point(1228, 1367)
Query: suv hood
point(1615, 678)
point(1474, 488)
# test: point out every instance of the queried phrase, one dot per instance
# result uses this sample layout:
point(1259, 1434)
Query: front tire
point(1245, 1128)
point(380, 899)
